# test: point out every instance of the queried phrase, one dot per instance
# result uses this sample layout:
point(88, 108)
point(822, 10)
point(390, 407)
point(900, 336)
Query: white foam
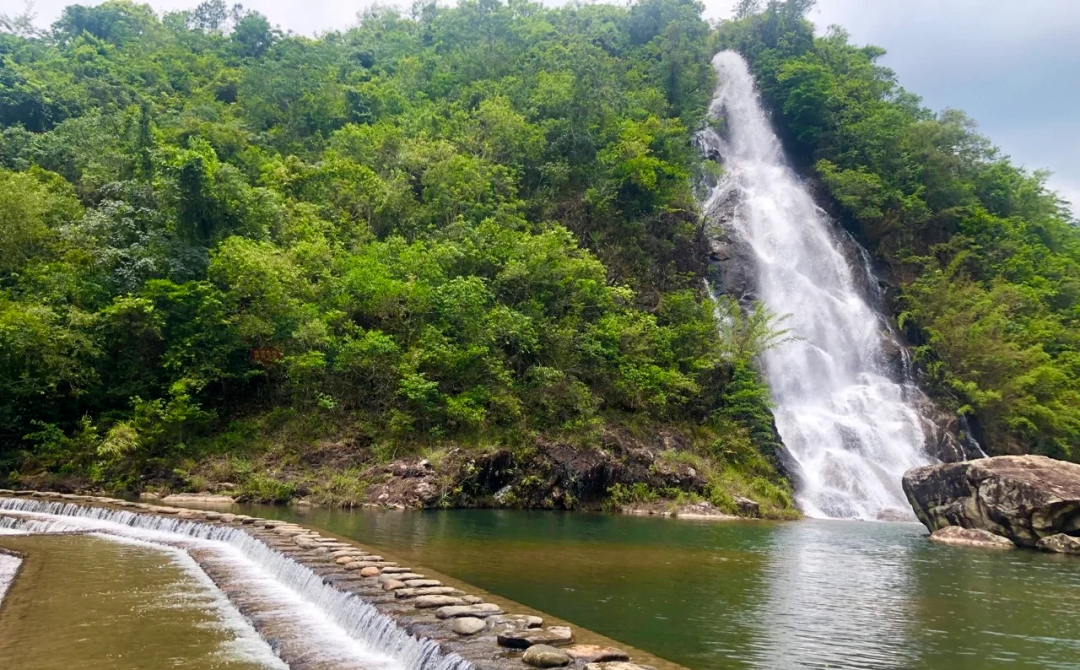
point(338, 626)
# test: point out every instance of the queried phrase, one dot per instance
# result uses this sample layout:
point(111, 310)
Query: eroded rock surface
point(1060, 544)
point(1022, 498)
point(970, 537)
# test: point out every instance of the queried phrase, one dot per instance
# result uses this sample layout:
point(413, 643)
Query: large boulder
point(1022, 498)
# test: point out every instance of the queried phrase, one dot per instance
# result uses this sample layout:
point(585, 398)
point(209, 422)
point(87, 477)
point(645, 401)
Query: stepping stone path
point(465, 615)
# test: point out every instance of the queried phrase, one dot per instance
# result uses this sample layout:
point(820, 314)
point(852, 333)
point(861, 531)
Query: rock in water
point(1023, 498)
point(970, 537)
point(543, 656)
point(1060, 544)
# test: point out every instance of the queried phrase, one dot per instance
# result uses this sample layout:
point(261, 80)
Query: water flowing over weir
point(845, 417)
point(336, 629)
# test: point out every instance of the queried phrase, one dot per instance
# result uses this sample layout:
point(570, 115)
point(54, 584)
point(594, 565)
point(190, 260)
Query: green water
point(707, 595)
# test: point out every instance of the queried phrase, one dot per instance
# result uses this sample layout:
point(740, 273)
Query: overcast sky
point(1013, 65)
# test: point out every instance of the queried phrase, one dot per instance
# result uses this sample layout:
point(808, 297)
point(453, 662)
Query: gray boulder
point(1022, 498)
point(1060, 544)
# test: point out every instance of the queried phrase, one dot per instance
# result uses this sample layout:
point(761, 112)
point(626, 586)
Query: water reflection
point(811, 594)
point(836, 599)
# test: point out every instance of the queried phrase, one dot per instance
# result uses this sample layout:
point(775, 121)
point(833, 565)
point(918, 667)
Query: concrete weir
point(323, 603)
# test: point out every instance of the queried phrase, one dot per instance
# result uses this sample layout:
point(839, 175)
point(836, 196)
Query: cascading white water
point(340, 627)
point(842, 417)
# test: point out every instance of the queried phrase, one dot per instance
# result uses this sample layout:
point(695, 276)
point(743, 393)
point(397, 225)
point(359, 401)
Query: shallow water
point(706, 595)
point(89, 603)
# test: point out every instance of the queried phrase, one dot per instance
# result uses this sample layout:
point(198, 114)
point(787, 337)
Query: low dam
point(297, 598)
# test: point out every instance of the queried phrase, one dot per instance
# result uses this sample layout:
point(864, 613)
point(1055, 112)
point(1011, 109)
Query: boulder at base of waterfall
point(523, 639)
point(970, 537)
point(1023, 498)
point(1060, 544)
point(544, 656)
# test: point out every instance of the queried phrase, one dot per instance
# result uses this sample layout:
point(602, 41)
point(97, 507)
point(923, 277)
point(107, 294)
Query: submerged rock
point(545, 656)
point(467, 625)
point(1022, 498)
point(970, 537)
point(1060, 544)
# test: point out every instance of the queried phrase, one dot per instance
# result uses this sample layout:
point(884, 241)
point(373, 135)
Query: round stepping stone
point(545, 656)
point(369, 571)
point(523, 639)
point(467, 625)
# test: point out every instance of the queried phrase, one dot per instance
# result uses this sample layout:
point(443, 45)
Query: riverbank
point(618, 469)
point(450, 625)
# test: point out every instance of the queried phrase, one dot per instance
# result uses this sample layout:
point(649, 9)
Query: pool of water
point(90, 603)
point(753, 595)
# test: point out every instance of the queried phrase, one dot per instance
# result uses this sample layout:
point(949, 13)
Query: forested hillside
point(232, 254)
point(466, 226)
point(986, 261)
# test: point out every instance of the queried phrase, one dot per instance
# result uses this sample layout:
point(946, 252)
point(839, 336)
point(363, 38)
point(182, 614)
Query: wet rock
point(403, 577)
point(544, 656)
point(480, 611)
point(472, 600)
point(467, 625)
point(970, 537)
point(420, 583)
point(228, 518)
point(369, 571)
point(523, 639)
point(616, 665)
point(396, 569)
point(360, 565)
point(747, 506)
point(515, 621)
point(203, 498)
point(431, 602)
point(429, 591)
point(1022, 498)
point(343, 560)
point(392, 585)
point(893, 515)
point(593, 653)
point(1060, 544)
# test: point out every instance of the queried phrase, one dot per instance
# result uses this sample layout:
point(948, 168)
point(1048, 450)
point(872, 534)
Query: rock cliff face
point(1022, 498)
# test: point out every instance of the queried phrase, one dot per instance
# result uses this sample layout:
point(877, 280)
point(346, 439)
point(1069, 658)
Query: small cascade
point(9, 567)
point(337, 625)
point(845, 404)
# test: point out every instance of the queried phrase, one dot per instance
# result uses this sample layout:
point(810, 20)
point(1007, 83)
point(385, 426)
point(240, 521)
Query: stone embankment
point(481, 633)
point(1000, 502)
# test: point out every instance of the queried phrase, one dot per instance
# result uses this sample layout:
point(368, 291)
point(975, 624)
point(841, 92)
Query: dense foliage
point(987, 260)
point(465, 223)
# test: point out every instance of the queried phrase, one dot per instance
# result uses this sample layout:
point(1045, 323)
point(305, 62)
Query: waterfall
point(845, 417)
point(339, 627)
